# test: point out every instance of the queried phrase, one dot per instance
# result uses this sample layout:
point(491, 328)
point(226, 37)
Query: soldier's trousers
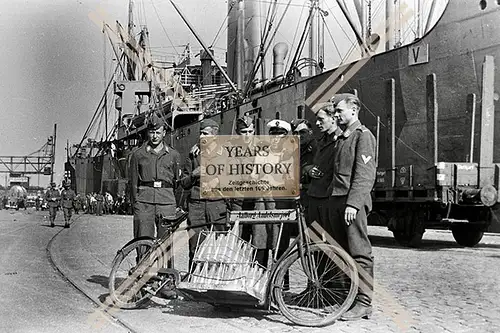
point(202, 212)
point(354, 239)
point(67, 214)
point(52, 213)
point(147, 222)
point(318, 211)
point(99, 208)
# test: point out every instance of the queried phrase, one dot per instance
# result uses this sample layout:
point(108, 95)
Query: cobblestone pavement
point(440, 287)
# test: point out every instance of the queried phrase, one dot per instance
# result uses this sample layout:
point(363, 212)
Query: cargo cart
point(312, 284)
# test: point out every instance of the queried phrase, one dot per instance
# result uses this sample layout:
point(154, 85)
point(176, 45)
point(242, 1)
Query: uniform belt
point(155, 184)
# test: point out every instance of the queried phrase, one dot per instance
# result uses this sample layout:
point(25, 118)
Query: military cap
point(337, 98)
point(300, 124)
point(321, 106)
point(208, 123)
point(155, 122)
point(277, 123)
point(243, 122)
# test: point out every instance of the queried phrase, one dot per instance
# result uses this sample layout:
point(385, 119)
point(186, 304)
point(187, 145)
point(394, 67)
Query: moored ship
point(430, 103)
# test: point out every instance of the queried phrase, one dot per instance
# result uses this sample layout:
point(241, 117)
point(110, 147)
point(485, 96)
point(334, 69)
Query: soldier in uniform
point(67, 202)
point(52, 196)
point(319, 171)
point(308, 147)
point(201, 211)
point(37, 202)
point(154, 173)
point(265, 236)
point(99, 204)
point(350, 201)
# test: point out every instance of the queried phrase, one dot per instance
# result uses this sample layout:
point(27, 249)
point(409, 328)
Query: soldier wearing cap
point(319, 172)
point(201, 211)
point(53, 197)
point(308, 148)
point(265, 236)
point(154, 172)
point(350, 201)
point(67, 202)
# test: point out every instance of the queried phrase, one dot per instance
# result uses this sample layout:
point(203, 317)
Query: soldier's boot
point(66, 224)
point(51, 223)
point(358, 311)
point(362, 308)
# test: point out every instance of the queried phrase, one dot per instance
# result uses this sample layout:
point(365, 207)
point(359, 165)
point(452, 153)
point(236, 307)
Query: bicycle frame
point(300, 243)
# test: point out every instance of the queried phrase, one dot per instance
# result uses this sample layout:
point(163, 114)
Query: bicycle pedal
point(149, 290)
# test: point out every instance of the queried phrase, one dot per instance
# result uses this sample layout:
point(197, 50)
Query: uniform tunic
point(153, 178)
point(320, 188)
point(200, 211)
point(52, 196)
point(307, 153)
point(353, 180)
point(67, 203)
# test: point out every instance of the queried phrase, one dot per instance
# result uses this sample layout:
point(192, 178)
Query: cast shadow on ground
point(55, 225)
point(99, 279)
point(187, 308)
point(426, 244)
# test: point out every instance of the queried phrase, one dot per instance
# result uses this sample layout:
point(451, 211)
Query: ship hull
point(394, 88)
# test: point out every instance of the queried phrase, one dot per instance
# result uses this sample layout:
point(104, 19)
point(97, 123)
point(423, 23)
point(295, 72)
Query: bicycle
point(321, 286)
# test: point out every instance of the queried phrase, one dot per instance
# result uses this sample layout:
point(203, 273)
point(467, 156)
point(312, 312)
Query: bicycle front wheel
point(133, 279)
point(318, 292)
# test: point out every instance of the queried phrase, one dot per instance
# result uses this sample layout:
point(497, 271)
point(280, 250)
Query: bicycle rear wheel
point(316, 298)
point(133, 281)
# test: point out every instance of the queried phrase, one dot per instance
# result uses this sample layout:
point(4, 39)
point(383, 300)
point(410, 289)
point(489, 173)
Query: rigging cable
point(264, 38)
point(331, 36)
point(97, 110)
point(163, 27)
point(301, 45)
point(353, 45)
point(296, 30)
point(223, 24)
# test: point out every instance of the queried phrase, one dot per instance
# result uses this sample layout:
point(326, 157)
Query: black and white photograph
point(250, 166)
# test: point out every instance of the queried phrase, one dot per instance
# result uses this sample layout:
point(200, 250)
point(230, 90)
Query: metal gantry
point(40, 162)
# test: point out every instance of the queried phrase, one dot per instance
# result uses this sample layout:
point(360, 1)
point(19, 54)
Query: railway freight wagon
point(431, 106)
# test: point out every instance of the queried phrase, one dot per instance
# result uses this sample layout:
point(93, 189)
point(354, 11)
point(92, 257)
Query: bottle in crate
point(260, 286)
point(204, 273)
point(195, 276)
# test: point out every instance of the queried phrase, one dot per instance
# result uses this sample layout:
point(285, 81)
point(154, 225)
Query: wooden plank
point(432, 117)
point(391, 121)
point(486, 170)
point(471, 108)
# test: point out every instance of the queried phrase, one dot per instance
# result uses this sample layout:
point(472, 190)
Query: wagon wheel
point(467, 234)
point(407, 228)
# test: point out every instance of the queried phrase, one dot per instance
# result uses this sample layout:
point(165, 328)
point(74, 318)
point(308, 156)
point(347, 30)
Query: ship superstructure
point(430, 103)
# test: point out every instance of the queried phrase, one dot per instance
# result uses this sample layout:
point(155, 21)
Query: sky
point(52, 68)
point(54, 58)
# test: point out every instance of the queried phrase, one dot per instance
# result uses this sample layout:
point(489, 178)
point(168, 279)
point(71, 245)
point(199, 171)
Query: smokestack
point(279, 54)
point(252, 36)
point(232, 40)
point(206, 67)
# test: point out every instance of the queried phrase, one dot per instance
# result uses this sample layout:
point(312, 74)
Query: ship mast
point(313, 36)
point(130, 32)
point(389, 24)
point(240, 33)
point(419, 19)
